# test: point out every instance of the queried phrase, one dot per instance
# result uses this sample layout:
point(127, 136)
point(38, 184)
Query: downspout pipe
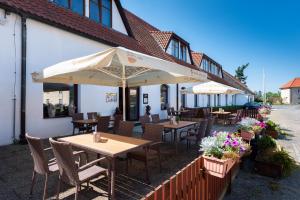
point(23, 79)
point(177, 96)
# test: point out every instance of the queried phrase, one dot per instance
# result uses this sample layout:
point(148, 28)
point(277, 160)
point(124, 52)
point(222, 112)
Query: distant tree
point(274, 97)
point(258, 96)
point(239, 73)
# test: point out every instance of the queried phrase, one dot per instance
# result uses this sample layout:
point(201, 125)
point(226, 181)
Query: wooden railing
point(192, 183)
point(252, 113)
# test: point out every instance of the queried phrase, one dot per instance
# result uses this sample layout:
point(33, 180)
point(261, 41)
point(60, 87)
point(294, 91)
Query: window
point(196, 100)
point(219, 99)
point(106, 13)
point(215, 100)
point(59, 100)
point(183, 100)
point(164, 97)
point(175, 48)
point(208, 100)
point(226, 99)
point(183, 52)
point(94, 10)
point(75, 5)
point(100, 12)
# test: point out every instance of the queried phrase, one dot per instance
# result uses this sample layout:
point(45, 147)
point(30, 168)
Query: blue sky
point(264, 33)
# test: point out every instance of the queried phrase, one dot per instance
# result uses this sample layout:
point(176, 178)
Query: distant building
point(290, 92)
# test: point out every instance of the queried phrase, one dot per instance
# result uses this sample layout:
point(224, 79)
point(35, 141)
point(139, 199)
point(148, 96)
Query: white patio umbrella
point(118, 67)
point(211, 87)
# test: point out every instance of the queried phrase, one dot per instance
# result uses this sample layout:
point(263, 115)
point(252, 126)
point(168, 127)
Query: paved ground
point(252, 186)
point(16, 170)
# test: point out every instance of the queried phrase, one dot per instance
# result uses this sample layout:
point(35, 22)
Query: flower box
point(246, 135)
point(272, 133)
point(268, 169)
point(217, 167)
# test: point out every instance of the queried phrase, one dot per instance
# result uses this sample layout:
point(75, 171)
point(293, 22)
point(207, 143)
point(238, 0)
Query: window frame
point(75, 88)
point(164, 88)
point(196, 99)
point(69, 7)
point(100, 8)
point(208, 100)
point(183, 48)
point(175, 47)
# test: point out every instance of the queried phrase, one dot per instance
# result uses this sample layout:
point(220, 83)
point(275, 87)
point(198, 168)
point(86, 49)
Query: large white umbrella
point(118, 67)
point(211, 87)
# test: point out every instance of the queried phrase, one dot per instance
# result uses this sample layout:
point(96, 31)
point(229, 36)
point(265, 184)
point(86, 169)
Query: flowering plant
point(264, 110)
point(258, 127)
point(223, 145)
point(247, 123)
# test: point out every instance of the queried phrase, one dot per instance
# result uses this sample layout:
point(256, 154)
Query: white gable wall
point(8, 62)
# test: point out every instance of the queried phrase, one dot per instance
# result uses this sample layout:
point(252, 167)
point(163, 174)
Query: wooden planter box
point(246, 135)
point(268, 169)
point(272, 133)
point(217, 167)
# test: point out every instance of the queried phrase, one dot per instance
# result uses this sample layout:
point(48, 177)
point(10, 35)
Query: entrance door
point(132, 103)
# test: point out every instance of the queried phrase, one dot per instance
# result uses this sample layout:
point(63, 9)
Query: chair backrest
point(92, 115)
point(153, 132)
point(77, 116)
point(117, 120)
point(239, 114)
point(144, 120)
point(65, 160)
point(103, 123)
point(37, 152)
point(210, 124)
point(126, 128)
point(202, 129)
point(155, 118)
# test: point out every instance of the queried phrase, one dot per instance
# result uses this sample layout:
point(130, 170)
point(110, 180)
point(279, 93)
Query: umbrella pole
point(124, 96)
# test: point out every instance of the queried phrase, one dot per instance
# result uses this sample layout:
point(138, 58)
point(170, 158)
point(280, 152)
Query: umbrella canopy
point(212, 87)
point(118, 67)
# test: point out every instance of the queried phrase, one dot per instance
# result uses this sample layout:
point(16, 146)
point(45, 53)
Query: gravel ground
point(252, 186)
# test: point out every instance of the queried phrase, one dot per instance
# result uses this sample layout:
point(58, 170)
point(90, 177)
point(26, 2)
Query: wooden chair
point(69, 173)
point(153, 132)
point(235, 119)
point(117, 119)
point(103, 124)
point(42, 165)
point(92, 115)
point(80, 127)
point(144, 120)
point(198, 135)
point(126, 128)
point(155, 118)
point(210, 124)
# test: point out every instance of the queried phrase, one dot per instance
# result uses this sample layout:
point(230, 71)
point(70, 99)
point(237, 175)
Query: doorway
point(132, 103)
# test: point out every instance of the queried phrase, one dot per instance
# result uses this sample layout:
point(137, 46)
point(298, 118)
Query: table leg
point(112, 178)
point(176, 141)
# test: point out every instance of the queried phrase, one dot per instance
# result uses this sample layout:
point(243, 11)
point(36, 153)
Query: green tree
point(239, 73)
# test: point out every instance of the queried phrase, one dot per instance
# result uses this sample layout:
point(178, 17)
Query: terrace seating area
point(138, 172)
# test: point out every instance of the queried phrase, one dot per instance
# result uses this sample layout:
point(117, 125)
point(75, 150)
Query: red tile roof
point(142, 31)
point(295, 83)
point(197, 57)
point(227, 79)
point(162, 37)
point(48, 12)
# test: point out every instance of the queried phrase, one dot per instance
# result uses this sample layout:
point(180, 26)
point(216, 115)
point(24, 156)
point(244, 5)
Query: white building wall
point(241, 99)
point(286, 96)
point(117, 22)
point(46, 46)
point(10, 58)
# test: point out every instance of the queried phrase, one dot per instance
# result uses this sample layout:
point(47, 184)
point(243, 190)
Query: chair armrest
point(48, 149)
point(75, 153)
point(90, 164)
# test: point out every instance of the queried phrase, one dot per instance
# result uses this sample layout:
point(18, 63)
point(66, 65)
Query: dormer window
point(100, 12)
point(175, 48)
point(183, 52)
point(76, 6)
point(211, 67)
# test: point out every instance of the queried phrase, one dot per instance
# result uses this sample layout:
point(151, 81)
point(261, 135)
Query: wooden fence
point(192, 183)
point(250, 113)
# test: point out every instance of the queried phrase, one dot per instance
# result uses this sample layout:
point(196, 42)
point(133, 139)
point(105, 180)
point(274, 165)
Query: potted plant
point(272, 129)
point(272, 160)
point(246, 127)
point(221, 151)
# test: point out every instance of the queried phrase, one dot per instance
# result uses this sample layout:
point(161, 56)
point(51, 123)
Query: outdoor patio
point(15, 175)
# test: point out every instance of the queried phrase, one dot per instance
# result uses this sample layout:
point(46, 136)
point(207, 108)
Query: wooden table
point(224, 115)
point(115, 146)
point(175, 128)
